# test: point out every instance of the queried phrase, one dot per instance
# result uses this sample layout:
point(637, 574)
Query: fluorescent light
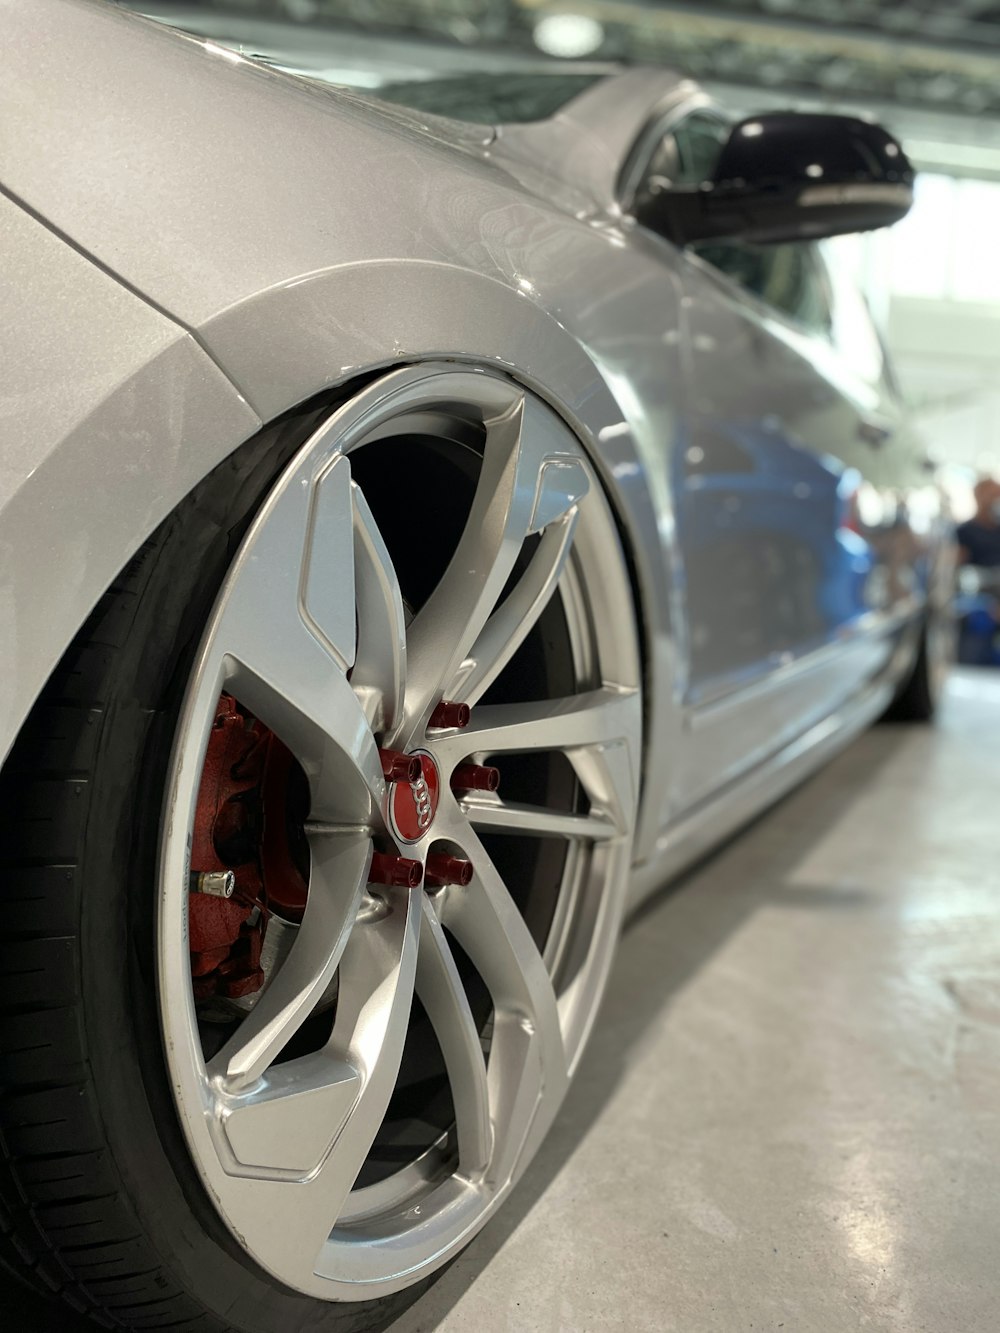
point(568, 35)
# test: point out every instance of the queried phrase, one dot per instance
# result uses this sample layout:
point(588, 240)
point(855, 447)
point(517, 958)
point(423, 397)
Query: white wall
point(933, 283)
point(947, 356)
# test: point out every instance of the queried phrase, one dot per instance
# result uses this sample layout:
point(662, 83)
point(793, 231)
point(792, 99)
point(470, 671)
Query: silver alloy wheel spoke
point(517, 494)
point(284, 1130)
point(334, 745)
point(595, 731)
point(592, 718)
point(441, 992)
point(512, 621)
point(527, 1050)
point(338, 875)
point(379, 672)
point(507, 817)
point(361, 1063)
point(283, 649)
point(377, 979)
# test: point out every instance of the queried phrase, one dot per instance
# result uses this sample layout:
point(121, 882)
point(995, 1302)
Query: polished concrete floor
point(789, 1116)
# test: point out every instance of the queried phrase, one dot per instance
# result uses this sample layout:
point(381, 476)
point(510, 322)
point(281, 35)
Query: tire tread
point(66, 1223)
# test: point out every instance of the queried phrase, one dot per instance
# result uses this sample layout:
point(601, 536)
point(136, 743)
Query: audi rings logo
point(413, 805)
point(422, 801)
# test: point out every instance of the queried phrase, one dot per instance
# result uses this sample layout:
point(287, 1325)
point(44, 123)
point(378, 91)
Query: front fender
point(111, 412)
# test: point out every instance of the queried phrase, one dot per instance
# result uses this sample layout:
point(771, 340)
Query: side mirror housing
point(788, 176)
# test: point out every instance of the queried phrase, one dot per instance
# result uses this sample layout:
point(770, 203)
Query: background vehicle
point(331, 422)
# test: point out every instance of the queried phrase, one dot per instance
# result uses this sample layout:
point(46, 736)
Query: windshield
point(492, 98)
point(326, 40)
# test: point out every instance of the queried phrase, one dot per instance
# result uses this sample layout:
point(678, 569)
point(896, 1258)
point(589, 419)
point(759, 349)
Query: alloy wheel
point(401, 645)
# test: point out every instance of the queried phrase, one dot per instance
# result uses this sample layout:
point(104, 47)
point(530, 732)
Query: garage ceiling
point(931, 55)
point(935, 54)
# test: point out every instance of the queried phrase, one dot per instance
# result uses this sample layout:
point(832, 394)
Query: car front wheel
point(314, 854)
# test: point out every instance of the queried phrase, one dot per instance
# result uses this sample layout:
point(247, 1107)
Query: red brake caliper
point(240, 825)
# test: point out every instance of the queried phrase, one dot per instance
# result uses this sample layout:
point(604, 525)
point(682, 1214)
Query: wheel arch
point(424, 311)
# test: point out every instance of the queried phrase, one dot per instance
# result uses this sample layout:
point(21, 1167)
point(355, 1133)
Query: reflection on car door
point(781, 589)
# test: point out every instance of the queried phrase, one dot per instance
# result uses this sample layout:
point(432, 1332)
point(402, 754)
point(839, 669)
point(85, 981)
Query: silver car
point(422, 534)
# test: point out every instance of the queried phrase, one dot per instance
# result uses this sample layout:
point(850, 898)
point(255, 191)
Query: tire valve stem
point(448, 714)
point(442, 869)
point(216, 883)
point(395, 870)
point(475, 777)
point(399, 767)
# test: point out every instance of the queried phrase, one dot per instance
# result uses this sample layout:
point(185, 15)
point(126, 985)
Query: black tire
point(917, 698)
point(99, 1202)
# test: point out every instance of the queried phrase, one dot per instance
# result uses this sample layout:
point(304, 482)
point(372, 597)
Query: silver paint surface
point(106, 409)
point(282, 238)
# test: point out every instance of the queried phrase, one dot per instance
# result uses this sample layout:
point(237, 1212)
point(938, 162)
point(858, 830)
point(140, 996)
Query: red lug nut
point(475, 777)
point(399, 767)
point(396, 870)
point(443, 869)
point(449, 714)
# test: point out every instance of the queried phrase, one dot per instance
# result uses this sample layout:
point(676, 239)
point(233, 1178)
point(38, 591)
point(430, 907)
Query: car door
point(781, 589)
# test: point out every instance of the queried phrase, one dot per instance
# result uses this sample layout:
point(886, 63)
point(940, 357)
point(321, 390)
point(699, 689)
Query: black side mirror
point(788, 176)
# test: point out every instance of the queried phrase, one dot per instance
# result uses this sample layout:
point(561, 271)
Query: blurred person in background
point(979, 536)
point(979, 548)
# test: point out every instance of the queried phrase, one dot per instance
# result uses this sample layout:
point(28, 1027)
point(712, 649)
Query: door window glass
point(790, 277)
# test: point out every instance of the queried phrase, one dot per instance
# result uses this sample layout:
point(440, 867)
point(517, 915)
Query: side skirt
point(702, 828)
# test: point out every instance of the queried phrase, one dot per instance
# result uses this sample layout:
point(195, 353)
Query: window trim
point(659, 124)
point(817, 260)
point(763, 310)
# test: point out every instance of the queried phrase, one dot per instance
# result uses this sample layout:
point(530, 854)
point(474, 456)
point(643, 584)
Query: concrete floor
point(789, 1116)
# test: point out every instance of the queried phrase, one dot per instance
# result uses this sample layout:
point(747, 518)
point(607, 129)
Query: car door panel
point(774, 568)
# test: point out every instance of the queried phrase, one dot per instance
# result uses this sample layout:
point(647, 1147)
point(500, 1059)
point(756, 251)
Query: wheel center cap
point(414, 804)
